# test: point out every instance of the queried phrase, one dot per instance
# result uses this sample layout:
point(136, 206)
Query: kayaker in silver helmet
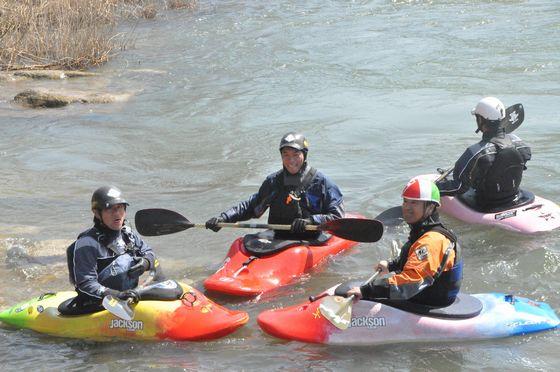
point(494, 166)
point(429, 268)
point(108, 258)
point(297, 195)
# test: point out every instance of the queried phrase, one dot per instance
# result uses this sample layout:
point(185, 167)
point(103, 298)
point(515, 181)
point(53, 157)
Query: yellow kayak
point(192, 317)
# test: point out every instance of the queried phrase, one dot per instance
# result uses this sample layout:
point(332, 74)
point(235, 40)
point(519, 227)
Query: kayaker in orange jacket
point(428, 269)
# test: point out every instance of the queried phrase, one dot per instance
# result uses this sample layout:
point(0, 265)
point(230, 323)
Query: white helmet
point(490, 108)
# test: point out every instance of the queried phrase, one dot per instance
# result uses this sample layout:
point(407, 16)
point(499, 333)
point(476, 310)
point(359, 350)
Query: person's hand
point(354, 292)
point(382, 267)
point(298, 226)
point(139, 267)
point(213, 222)
point(129, 294)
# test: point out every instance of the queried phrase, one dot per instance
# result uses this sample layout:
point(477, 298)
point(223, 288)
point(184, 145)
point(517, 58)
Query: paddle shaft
point(260, 226)
point(371, 279)
point(325, 294)
point(444, 174)
point(348, 302)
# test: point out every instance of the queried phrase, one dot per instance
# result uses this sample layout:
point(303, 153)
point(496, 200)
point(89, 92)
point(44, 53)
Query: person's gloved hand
point(139, 267)
point(298, 226)
point(213, 222)
point(111, 292)
point(129, 295)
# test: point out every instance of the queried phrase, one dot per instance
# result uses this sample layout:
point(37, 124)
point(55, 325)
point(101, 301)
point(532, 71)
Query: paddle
point(157, 221)
point(168, 290)
point(338, 310)
point(119, 308)
point(389, 216)
point(515, 115)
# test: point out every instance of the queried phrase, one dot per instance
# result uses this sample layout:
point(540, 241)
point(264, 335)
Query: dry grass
point(56, 33)
point(68, 34)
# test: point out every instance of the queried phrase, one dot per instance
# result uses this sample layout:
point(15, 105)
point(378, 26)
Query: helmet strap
point(429, 209)
point(478, 123)
point(97, 214)
point(98, 218)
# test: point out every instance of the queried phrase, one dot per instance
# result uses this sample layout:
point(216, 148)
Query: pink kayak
point(531, 215)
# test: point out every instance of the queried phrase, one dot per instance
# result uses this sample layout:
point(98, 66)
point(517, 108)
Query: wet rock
point(33, 98)
point(52, 74)
point(36, 98)
point(43, 74)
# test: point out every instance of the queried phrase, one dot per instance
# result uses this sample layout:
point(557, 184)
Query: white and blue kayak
point(471, 317)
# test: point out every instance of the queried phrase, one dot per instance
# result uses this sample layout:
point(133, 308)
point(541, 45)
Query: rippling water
point(383, 91)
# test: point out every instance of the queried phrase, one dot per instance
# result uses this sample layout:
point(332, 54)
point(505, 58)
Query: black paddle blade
point(356, 229)
point(391, 216)
point(514, 117)
point(156, 221)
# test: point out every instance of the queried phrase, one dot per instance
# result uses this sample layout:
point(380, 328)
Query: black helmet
point(294, 140)
point(105, 197)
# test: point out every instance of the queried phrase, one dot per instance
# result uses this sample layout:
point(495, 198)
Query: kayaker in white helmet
point(429, 268)
point(297, 195)
point(108, 258)
point(494, 166)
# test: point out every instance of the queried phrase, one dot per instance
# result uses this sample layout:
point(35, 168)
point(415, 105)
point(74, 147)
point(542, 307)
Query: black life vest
point(288, 204)
point(500, 185)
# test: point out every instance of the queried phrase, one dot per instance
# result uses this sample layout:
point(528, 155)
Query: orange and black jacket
point(428, 271)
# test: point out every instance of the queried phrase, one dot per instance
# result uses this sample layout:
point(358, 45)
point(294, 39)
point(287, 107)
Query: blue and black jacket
point(100, 258)
point(309, 194)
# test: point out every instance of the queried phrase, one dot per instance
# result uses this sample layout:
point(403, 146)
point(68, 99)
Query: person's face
point(413, 210)
point(292, 159)
point(480, 124)
point(113, 217)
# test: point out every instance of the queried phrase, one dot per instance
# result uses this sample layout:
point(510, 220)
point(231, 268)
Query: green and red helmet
point(421, 189)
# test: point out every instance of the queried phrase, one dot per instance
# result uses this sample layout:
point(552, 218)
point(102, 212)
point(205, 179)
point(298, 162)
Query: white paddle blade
point(118, 308)
point(337, 310)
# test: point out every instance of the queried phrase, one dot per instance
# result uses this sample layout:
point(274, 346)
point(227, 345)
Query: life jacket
point(446, 285)
point(287, 204)
point(500, 185)
point(112, 272)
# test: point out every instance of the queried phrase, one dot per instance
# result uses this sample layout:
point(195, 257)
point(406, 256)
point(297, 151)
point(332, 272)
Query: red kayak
point(247, 273)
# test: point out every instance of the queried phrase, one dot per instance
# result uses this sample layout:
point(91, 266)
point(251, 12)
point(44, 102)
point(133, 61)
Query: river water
point(382, 89)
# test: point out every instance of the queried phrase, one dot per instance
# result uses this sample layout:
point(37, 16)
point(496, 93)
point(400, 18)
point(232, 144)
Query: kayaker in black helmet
point(108, 258)
point(297, 195)
point(494, 166)
point(429, 268)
